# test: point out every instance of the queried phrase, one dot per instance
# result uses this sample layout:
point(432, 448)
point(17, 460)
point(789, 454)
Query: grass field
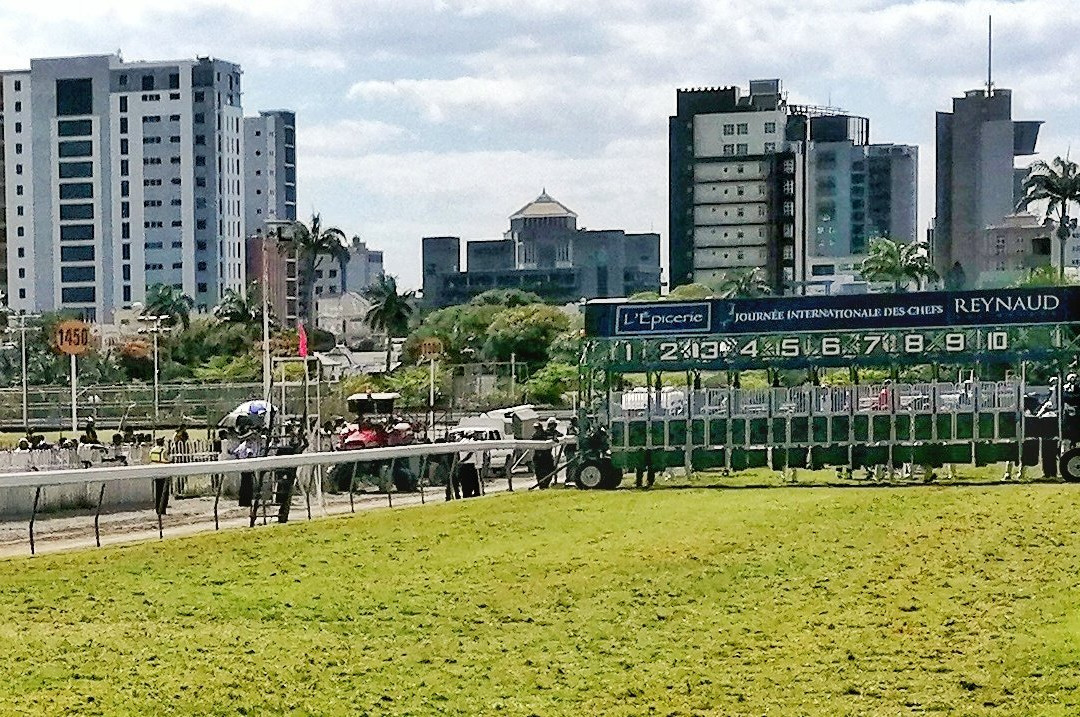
point(789, 601)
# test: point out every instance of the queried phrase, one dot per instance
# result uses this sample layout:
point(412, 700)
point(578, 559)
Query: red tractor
point(375, 425)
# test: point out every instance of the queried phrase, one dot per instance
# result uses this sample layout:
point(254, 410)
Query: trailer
point(997, 385)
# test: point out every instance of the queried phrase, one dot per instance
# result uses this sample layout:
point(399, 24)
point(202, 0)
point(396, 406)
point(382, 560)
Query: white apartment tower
point(119, 176)
point(269, 169)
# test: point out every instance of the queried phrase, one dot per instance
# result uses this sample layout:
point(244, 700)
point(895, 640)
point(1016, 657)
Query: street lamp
point(155, 330)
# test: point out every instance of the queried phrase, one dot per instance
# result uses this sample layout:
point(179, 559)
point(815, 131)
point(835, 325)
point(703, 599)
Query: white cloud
point(443, 116)
point(345, 138)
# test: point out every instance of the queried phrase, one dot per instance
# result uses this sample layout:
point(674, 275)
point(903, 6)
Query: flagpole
point(266, 321)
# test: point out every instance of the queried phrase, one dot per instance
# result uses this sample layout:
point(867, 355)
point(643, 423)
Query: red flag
point(302, 335)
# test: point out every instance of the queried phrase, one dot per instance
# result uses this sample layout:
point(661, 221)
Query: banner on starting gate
point(608, 318)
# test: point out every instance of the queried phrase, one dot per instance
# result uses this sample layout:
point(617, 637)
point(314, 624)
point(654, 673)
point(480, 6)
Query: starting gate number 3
point(852, 345)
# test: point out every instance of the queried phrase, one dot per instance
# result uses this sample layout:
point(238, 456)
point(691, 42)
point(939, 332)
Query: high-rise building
point(977, 181)
point(270, 196)
point(759, 183)
point(269, 169)
point(119, 176)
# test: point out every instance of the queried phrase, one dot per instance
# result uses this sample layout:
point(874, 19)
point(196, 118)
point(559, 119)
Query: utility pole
point(155, 331)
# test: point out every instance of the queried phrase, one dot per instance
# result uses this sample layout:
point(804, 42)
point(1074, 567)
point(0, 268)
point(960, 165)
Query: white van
point(483, 428)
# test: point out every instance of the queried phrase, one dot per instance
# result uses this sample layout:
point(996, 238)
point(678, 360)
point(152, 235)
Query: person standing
point(160, 454)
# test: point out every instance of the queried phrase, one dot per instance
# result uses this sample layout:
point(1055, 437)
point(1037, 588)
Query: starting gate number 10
point(829, 346)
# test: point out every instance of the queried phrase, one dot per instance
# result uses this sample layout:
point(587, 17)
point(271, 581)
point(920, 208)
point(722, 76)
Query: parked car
point(486, 429)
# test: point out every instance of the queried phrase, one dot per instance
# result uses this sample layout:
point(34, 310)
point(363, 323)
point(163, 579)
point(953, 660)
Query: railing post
point(352, 485)
point(390, 482)
point(97, 516)
point(33, 517)
point(424, 464)
point(217, 498)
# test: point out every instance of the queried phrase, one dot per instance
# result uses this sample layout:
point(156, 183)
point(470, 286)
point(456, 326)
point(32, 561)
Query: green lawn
point(821, 601)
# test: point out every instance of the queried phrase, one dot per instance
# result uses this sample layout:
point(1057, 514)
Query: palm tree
point(898, 262)
point(749, 283)
point(237, 308)
point(1057, 184)
point(390, 311)
point(166, 300)
point(311, 243)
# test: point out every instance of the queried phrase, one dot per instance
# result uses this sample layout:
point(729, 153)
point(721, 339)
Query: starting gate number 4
point(852, 345)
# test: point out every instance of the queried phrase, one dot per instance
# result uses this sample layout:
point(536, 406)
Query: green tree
point(311, 243)
point(645, 296)
point(166, 300)
point(1042, 276)
point(390, 311)
point(690, 292)
point(238, 307)
point(1058, 185)
point(747, 283)
point(898, 262)
point(551, 383)
point(526, 332)
point(506, 297)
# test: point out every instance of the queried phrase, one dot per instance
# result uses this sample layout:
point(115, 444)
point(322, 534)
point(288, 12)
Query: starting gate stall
point(986, 340)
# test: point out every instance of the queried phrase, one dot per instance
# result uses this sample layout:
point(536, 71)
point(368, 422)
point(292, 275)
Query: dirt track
point(74, 530)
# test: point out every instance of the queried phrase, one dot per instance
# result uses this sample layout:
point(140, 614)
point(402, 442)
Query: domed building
point(544, 252)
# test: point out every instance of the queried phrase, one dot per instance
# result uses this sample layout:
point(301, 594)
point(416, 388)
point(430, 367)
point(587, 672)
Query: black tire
point(591, 475)
point(1069, 463)
point(612, 475)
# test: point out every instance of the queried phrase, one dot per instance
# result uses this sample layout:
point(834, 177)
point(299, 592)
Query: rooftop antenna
point(989, 55)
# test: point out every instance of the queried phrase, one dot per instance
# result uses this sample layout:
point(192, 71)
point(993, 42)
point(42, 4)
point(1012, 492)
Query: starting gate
point(977, 406)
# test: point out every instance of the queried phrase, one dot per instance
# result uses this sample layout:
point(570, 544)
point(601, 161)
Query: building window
point(741, 149)
point(22, 253)
point(200, 139)
point(20, 232)
point(770, 127)
point(729, 129)
point(76, 170)
point(729, 150)
point(77, 232)
point(18, 127)
point(74, 128)
point(789, 186)
point(125, 233)
point(74, 97)
point(78, 148)
point(770, 147)
point(743, 128)
point(71, 274)
point(18, 85)
point(77, 254)
point(78, 295)
point(79, 190)
point(123, 146)
point(789, 209)
point(22, 293)
point(147, 82)
point(19, 189)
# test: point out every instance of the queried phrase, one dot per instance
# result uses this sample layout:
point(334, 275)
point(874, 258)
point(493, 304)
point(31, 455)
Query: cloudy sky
point(425, 117)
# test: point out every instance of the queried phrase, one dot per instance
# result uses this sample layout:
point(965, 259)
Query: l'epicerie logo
point(664, 319)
